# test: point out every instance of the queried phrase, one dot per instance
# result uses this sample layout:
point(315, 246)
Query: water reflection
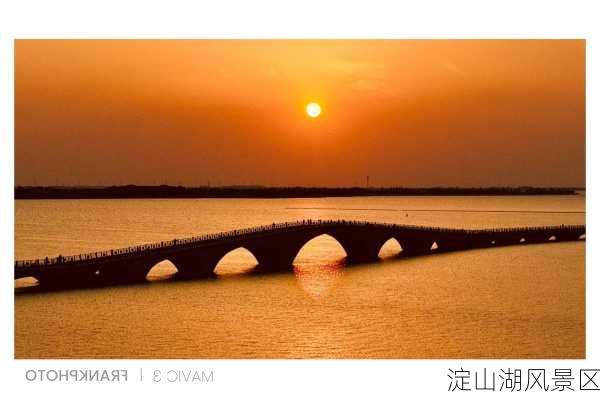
point(471, 304)
point(318, 280)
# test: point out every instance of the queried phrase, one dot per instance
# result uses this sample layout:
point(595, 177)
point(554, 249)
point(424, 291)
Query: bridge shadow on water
point(308, 272)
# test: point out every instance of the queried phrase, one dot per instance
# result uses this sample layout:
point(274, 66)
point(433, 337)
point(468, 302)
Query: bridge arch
point(390, 248)
point(162, 270)
point(319, 248)
point(236, 261)
point(26, 282)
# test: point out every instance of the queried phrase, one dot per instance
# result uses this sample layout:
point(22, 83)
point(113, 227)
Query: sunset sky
point(404, 112)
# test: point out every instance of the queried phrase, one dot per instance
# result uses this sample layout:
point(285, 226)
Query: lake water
point(511, 302)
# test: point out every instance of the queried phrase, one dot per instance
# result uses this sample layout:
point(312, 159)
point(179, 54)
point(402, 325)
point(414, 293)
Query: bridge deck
point(211, 239)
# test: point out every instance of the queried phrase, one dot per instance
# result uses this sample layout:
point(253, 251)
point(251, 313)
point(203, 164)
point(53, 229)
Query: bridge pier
point(453, 244)
point(480, 240)
point(415, 246)
point(568, 236)
point(277, 258)
point(362, 248)
point(128, 270)
point(362, 252)
point(536, 238)
point(503, 239)
point(196, 264)
point(67, 278)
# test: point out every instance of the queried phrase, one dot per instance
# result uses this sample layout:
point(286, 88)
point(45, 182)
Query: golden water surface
point(514, 302)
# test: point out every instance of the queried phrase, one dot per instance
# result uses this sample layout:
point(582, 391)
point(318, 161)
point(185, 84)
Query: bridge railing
point(190, 241)
point(163, 244)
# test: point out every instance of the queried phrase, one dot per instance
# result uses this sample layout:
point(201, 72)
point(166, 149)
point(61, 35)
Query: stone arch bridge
point(274, 247)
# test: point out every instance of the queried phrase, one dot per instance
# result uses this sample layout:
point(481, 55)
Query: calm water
point(512, 302)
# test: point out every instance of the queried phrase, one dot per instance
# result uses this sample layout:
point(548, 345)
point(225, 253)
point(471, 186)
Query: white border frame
point(268, 19)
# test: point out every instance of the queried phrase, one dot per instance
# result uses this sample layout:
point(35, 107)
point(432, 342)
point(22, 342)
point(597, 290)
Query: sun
point(313, 110)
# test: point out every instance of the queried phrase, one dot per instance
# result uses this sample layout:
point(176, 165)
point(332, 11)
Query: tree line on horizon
point(166, 191)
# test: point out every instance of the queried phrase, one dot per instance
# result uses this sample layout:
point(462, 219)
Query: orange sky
point(409, 113)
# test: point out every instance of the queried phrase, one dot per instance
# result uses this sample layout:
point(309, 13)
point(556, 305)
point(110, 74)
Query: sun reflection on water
point(318, 280)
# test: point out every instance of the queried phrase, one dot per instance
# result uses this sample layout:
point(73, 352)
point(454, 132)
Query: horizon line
point(259, 186)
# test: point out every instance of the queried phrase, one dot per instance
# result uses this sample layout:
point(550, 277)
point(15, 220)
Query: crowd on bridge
point(133, 250)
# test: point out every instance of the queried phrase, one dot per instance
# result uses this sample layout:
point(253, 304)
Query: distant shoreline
point(164, 191)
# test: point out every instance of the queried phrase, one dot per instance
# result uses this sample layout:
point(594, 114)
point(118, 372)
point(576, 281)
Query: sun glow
point(313, 110)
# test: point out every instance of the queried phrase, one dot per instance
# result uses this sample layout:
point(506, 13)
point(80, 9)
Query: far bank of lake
point(165, 191)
